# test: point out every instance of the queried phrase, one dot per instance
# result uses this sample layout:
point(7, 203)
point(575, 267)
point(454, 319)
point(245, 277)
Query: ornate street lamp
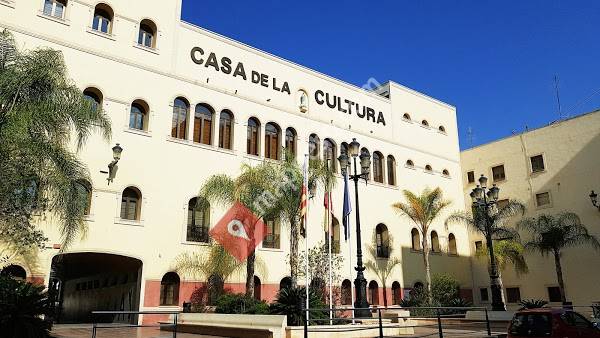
point(483, 201)
point(112, 166)
point(594, 198)
point(360, 283)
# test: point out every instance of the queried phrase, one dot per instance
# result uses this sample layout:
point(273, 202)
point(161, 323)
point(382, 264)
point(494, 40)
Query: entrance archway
point(85, 282)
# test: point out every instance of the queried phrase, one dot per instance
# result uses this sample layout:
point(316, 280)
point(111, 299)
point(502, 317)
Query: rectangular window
point(542, 199)
point(513, 295)
point(484, 295)
point(537, 164)
point(498, 173)
point(54, 8)
point(554, 294)
point(471, 177)
point(271, 240)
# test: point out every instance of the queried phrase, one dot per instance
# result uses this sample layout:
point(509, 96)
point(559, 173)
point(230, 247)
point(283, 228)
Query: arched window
point(346, 292)
point(406, 116)
point(446, 173)
point(373, 293)
point(257, 288)
point(391, 170)
point(103, 17)
point(442, 129)
point(313, 146)
point(198, 221)
point(181, 109)
point(435, 242)
point(147, 34)
point(396, 293)
point(252, 136)
point(138, 115)
point(452, 245)
point(93, 96)
point(203, 124)
point(131, 204)
point(290, 141)
point(84, 189)
point(416, 239)
point(428, 168)
point(409, 164)
point(378, 167)
point(335, 236)
point(272, 137)
point(272, 238)
point(169, 289)
point(55, 8)
point(424, 123)
point(382, 239)
point(285, 283)
point(225, 129)
point(14, 271)
point(329, 154)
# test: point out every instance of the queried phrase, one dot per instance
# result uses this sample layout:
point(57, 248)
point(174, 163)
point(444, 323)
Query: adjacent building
point(550, 169)
point(187, 103)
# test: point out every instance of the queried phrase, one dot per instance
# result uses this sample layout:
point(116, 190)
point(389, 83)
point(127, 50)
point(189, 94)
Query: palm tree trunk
point(559, 276)
point(250, 274)
point(427, 266)
point(294, 252)
point(385, 303)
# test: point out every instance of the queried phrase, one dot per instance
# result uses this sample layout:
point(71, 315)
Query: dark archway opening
point(85, 282)
point(14, 271)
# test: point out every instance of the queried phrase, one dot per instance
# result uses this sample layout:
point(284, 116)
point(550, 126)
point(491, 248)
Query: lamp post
point(594, 198)
point(483, 200)
point(112, 166)
point(360, 283)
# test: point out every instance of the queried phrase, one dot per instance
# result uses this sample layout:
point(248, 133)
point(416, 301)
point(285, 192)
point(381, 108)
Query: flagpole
point(350, 255)
point(306, 285)
point(329, 233)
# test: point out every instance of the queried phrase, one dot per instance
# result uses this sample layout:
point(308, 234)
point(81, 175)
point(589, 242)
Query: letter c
point(317, 99)
point(193, 55)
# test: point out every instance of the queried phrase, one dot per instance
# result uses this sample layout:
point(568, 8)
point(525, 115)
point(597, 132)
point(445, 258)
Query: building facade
point(186, 103)
point(551, 169)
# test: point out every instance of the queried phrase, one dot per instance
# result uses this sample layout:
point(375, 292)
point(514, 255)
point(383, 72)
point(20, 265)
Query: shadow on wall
point(413, 269)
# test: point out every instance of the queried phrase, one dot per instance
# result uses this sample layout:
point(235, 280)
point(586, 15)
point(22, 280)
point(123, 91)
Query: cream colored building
point(183, 101)
point(550, 169)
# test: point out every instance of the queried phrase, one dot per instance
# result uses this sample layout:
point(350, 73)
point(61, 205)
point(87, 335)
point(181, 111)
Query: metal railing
point(436, 314)
point(96, 325)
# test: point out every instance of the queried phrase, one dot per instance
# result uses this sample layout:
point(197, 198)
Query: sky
point(495, 61)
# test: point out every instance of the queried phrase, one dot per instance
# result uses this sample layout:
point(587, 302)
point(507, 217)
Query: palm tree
point(216, 266)
point(41, 113)
point(382, 267)
point(492, 224)
point(422, 210)
point(551, 234)
point(508, 253)
point(269, 190)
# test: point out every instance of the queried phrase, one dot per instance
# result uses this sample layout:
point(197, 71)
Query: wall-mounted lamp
point(112, 166)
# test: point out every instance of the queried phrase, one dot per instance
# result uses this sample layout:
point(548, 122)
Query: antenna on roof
point(556, 81)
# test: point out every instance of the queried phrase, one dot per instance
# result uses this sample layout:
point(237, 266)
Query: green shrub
point(290, 302)
point(444, 289)
point(22, 306)
point(532, 303)
point(240, 304)
point(444, 293)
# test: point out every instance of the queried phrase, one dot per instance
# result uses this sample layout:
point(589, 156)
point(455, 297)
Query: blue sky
point(494, 60)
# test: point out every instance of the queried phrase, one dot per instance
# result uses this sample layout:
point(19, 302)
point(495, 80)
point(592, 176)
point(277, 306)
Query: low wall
point(233, 325)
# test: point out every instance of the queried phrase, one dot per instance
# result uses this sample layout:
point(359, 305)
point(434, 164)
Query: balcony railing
point(383, 251)
point(197, 234)
point(271, 241)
